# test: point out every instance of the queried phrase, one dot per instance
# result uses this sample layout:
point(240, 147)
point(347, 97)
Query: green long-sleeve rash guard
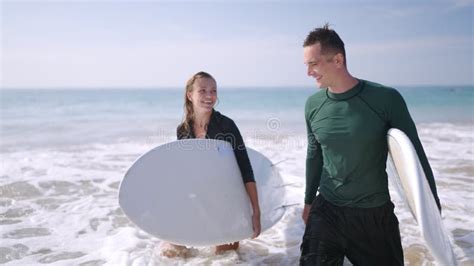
point(347, 144)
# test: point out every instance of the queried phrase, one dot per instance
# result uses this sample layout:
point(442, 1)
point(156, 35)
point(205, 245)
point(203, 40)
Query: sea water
point(65, 151)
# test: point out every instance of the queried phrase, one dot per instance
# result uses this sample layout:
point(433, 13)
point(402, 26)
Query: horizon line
point(219, 87)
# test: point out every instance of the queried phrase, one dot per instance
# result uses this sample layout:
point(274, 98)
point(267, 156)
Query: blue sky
point(242, 43)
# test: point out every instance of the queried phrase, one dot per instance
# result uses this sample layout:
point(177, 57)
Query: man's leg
point(322, 243)
point(373, 237)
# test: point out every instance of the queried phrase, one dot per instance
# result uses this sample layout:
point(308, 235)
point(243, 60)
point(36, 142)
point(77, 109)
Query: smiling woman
point(202, 121)
point(199, 99)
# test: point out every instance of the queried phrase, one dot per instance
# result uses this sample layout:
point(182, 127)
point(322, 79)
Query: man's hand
point(307, 208)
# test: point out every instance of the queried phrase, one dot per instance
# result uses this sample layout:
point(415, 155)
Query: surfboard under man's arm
point(400, 118)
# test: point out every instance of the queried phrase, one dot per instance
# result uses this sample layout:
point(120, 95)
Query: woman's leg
point(171, 250)
point(223, 248)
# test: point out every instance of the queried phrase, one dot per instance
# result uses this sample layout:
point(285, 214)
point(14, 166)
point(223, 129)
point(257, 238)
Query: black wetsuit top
point(223, 128)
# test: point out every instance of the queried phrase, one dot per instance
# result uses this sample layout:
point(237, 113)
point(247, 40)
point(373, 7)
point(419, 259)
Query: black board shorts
point(366, 236)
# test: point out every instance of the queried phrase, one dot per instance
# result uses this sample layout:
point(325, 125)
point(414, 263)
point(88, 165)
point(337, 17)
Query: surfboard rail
point(411, 183)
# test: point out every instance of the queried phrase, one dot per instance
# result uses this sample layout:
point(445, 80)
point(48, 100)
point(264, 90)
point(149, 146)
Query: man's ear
point(339, 59)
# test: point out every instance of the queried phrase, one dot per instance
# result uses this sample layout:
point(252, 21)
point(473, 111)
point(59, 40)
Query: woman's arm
point(248, 178)
point(251, 188)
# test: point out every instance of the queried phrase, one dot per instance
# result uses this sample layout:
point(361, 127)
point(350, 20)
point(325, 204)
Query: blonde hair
point(188, 105)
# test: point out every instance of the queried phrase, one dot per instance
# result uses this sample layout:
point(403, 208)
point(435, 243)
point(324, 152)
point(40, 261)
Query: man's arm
point(400, 118)
point(314, 166)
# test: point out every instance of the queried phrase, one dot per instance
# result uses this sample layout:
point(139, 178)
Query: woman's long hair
point(188, 105)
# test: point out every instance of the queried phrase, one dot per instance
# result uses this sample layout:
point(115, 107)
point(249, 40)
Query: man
point(347, 123)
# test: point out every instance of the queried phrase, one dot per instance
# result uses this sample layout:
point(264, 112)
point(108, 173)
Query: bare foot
point(223, 248)
point(171, 251)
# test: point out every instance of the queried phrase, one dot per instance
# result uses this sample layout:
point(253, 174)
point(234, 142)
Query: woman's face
point(203, 95)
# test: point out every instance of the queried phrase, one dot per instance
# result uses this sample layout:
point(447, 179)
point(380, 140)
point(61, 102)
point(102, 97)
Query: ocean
point(64, 152)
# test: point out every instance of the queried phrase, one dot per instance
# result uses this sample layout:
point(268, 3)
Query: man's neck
point(343, 84)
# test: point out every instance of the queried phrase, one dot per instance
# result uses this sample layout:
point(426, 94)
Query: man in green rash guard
point(347, 123)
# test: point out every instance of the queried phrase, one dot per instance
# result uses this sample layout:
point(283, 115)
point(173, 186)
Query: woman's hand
point(251, 188)
point(257, 228)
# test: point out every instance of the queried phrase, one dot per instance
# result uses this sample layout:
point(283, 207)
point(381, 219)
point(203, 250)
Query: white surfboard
point(190, 192)
point(408, 177)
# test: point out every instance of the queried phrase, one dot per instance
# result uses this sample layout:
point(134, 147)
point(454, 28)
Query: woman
point(202, 121)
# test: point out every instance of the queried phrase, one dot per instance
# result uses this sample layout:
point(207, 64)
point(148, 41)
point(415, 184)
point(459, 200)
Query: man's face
point(320, 66)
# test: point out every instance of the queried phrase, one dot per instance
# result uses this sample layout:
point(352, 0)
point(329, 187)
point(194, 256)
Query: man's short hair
point(329, 40)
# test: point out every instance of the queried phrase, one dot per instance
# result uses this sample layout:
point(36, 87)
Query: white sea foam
point(59, 204)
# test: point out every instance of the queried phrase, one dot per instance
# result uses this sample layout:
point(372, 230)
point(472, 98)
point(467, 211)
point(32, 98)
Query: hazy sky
point(242, 43)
